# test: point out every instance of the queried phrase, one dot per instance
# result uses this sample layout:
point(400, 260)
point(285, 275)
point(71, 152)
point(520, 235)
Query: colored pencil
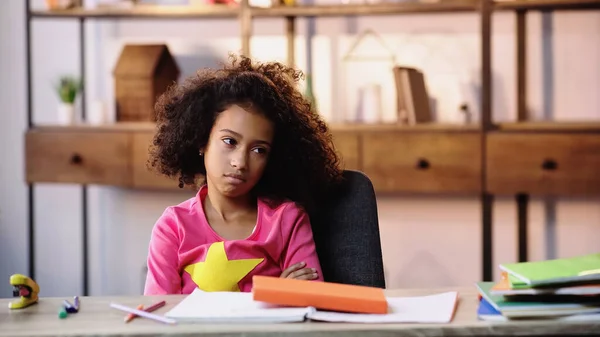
point(130, 317)
point(151, 308)
point(143, 314)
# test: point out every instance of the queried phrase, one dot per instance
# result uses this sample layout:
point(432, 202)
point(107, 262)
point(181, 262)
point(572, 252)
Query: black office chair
point(346, 234)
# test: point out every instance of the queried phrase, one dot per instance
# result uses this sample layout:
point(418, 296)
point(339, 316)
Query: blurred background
point(402, 91)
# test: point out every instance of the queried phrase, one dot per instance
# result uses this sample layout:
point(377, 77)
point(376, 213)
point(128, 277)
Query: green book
point(578, 269)
point(517, 283)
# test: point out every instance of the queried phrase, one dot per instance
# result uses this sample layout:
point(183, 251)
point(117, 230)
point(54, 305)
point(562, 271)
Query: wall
point(13, 193)
point(427, 241)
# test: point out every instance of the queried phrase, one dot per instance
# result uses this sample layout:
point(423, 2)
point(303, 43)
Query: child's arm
point(301, 246)
point(163, 262)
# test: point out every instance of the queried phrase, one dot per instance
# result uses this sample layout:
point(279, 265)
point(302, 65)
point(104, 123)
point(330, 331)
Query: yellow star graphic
point(217, 273)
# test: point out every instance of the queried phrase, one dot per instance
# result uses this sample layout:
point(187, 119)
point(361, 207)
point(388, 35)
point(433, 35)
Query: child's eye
point(229, 141)
point(260, 150)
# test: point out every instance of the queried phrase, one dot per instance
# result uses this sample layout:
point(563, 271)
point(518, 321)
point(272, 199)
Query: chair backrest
point(346, 234)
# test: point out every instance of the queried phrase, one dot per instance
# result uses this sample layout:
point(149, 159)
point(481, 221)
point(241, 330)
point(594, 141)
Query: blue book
point(487, 312)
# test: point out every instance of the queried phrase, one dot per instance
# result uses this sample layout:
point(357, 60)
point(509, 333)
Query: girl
point(262, 158)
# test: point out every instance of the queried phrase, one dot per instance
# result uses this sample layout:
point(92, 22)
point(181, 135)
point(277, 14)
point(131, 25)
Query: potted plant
point(67, 89)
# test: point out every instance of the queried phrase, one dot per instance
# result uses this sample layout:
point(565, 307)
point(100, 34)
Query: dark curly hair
point(303, 162)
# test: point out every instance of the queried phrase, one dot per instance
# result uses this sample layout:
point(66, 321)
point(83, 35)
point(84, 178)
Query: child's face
point(237, 151)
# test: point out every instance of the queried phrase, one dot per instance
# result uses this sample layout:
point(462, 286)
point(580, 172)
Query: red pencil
point(151, 308)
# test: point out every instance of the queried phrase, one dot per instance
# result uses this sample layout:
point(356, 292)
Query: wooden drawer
point(144, 177)
point(80, 157)
point(423, 162)
point(544, 164)
point(347, 145)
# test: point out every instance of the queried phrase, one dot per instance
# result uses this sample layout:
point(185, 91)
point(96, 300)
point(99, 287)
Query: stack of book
point(561, 289)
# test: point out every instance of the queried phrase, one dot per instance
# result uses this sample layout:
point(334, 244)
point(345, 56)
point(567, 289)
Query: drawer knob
point(549, 165)
point(423, 164)
point(76, 159)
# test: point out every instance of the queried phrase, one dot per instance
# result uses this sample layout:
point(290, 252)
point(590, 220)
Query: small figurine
point(26, 288)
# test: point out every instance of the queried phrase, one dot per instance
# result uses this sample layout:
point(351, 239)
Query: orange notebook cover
point(321, 295)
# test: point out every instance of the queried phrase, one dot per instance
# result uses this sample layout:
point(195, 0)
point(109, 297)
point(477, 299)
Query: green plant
point(67, 89)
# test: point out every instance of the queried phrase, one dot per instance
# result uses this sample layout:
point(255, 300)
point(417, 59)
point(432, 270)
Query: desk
point(96, 318)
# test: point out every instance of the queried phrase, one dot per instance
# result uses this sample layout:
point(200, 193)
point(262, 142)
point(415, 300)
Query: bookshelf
point(482, 160)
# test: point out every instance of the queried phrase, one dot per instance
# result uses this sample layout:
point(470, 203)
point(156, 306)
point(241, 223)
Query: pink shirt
point(185, 252)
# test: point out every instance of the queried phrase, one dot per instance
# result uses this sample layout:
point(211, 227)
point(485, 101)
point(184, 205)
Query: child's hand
point(298, 272)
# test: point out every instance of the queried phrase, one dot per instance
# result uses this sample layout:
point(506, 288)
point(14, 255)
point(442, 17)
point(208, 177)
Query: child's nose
point(239, 161)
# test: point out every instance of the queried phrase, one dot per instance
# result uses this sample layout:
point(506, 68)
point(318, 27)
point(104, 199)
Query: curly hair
point(303, 162)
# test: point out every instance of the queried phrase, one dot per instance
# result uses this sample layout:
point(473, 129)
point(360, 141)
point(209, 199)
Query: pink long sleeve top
point(186, 253)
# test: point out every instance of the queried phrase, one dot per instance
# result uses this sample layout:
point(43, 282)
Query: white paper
point(232, 307)
point(238, 307)
point(438, 308)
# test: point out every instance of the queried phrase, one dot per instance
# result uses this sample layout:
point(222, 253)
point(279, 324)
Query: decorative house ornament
point(143, 72)
point(368, 80)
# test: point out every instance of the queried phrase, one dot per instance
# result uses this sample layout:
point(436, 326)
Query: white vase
point(66, 114)
point(370, 104)
point(97, 114)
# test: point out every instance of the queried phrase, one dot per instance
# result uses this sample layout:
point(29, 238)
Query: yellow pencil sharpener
point(25, 288)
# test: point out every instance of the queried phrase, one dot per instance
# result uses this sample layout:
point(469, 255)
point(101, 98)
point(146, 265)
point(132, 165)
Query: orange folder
point(321, 295)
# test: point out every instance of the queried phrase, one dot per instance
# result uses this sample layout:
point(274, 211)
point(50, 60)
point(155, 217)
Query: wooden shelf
point(341, 127)
point(366, 9)
point(546, 4)
point(425, 127)
point(121, 126)
point(550, 126)
point(143, 11)
point(426, 161)
point(541, 126)
point(423, 159)
point(543, 163)
point(426, 158)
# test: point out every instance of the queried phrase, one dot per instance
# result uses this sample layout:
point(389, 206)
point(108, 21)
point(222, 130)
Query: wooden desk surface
point(96, 318)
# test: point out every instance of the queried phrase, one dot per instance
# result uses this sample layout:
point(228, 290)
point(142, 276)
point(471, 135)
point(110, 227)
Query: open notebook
point(235, 307)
